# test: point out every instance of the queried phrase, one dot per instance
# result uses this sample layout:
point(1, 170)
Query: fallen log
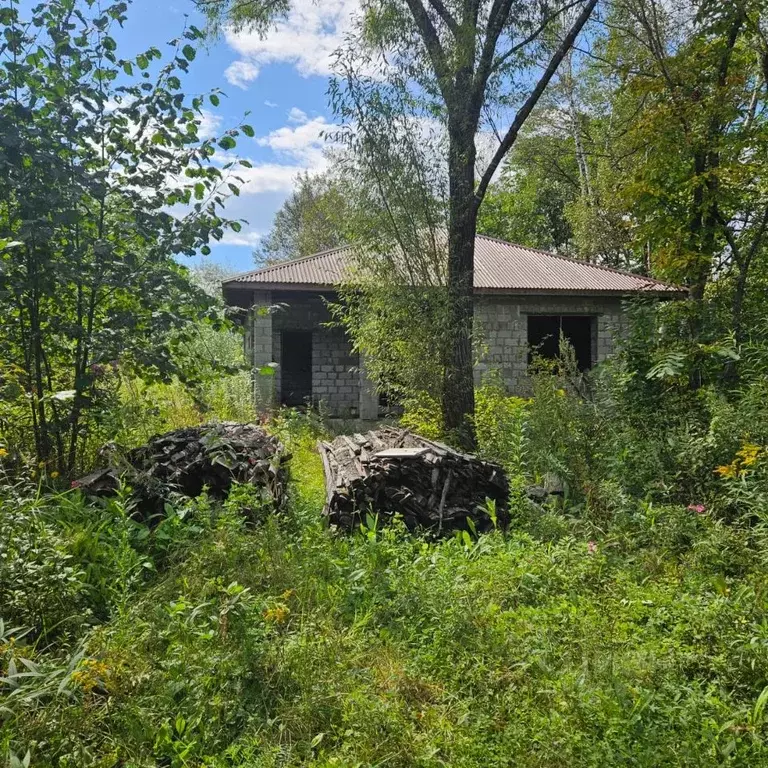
point(393, 472)
point(184, 461)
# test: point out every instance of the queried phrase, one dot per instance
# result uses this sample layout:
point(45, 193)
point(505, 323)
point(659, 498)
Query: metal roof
point(500, 267)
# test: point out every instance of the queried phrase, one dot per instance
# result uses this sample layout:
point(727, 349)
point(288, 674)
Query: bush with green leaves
point(105, 180)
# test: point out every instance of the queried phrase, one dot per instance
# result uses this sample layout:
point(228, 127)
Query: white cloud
point(307, 37)
point(269, 103)
point(301, 143)
point(249, 239)
point(297, 115)
point(268, 177)
point(239, 73)
point(209, 124)
point(295, 147)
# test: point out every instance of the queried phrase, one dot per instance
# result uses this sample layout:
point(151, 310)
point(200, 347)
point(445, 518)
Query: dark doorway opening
point(296, 365)
point(544, 337)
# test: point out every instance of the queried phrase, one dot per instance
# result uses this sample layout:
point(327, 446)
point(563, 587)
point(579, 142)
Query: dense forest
point(617, 618)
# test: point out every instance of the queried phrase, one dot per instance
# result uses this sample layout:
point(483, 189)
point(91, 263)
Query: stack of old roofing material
point(185, 461)
point(392, 472)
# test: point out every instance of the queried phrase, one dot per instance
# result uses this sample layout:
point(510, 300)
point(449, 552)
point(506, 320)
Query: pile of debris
point(394, 472)
point(186, 460)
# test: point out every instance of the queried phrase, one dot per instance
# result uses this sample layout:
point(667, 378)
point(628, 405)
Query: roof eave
point(253, 285)
point(235, 285)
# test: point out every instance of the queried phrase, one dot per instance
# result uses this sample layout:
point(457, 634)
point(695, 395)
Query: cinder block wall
point(335, 376)
point(501, 326)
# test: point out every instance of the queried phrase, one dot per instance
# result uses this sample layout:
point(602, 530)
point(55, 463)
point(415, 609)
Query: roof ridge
point(583, 262)
point(287, 263)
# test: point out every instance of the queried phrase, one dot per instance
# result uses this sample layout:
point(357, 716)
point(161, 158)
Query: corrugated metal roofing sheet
point(499, 267)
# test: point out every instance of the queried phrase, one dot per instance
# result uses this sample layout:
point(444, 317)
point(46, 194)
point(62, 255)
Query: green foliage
point(620, 622)
point(94, 154)
point(314, 218)
point(404, 358)
point(296, 647)
point(500, 423)
point(528, 204)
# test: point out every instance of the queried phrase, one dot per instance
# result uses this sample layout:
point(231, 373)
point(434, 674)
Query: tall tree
point(529, 202)
point(464, 60)
point(695, 74)
point(465, 56)
point(94, 151)
point(312, 219)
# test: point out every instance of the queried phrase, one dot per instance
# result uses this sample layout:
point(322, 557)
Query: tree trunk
point(458, 383)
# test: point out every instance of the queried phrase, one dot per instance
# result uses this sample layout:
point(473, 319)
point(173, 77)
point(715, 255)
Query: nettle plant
point(106, 177)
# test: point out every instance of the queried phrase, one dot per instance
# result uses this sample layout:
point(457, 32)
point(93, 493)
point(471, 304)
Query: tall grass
point(640, 641)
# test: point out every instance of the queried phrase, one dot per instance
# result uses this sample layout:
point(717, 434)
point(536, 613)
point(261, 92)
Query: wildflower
point(91, 674)
point(278, 614)
point(727, 470)
point(54, 475)
point(699, 509)
point(749, 454)
point(74, 484)
point(3, 452)
point(592, 547)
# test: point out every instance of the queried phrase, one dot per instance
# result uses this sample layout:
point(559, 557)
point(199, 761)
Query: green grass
point(285, 645)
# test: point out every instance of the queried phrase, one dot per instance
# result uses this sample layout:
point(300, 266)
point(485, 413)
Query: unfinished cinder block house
point(524, 299)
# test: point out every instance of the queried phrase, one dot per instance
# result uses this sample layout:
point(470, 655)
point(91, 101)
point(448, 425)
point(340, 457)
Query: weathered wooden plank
point(393, 471)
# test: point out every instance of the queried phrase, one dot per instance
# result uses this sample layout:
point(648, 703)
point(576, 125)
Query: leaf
point(316, 741)
point(141, 61)
point(189, 52)
point(759, 710)
point(214, 99)
point(248, 131)
point(227, 142)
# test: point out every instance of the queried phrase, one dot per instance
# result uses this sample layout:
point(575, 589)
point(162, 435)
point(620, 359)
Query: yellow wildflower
point(91, 674)
point(54, 475)
point(278, 614)
point(3, 452)
point(749, 454)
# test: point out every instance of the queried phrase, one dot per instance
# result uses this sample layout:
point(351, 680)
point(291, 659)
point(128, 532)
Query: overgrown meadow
point(622, 623)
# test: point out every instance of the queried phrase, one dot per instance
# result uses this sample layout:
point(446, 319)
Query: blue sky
point(282, 80)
